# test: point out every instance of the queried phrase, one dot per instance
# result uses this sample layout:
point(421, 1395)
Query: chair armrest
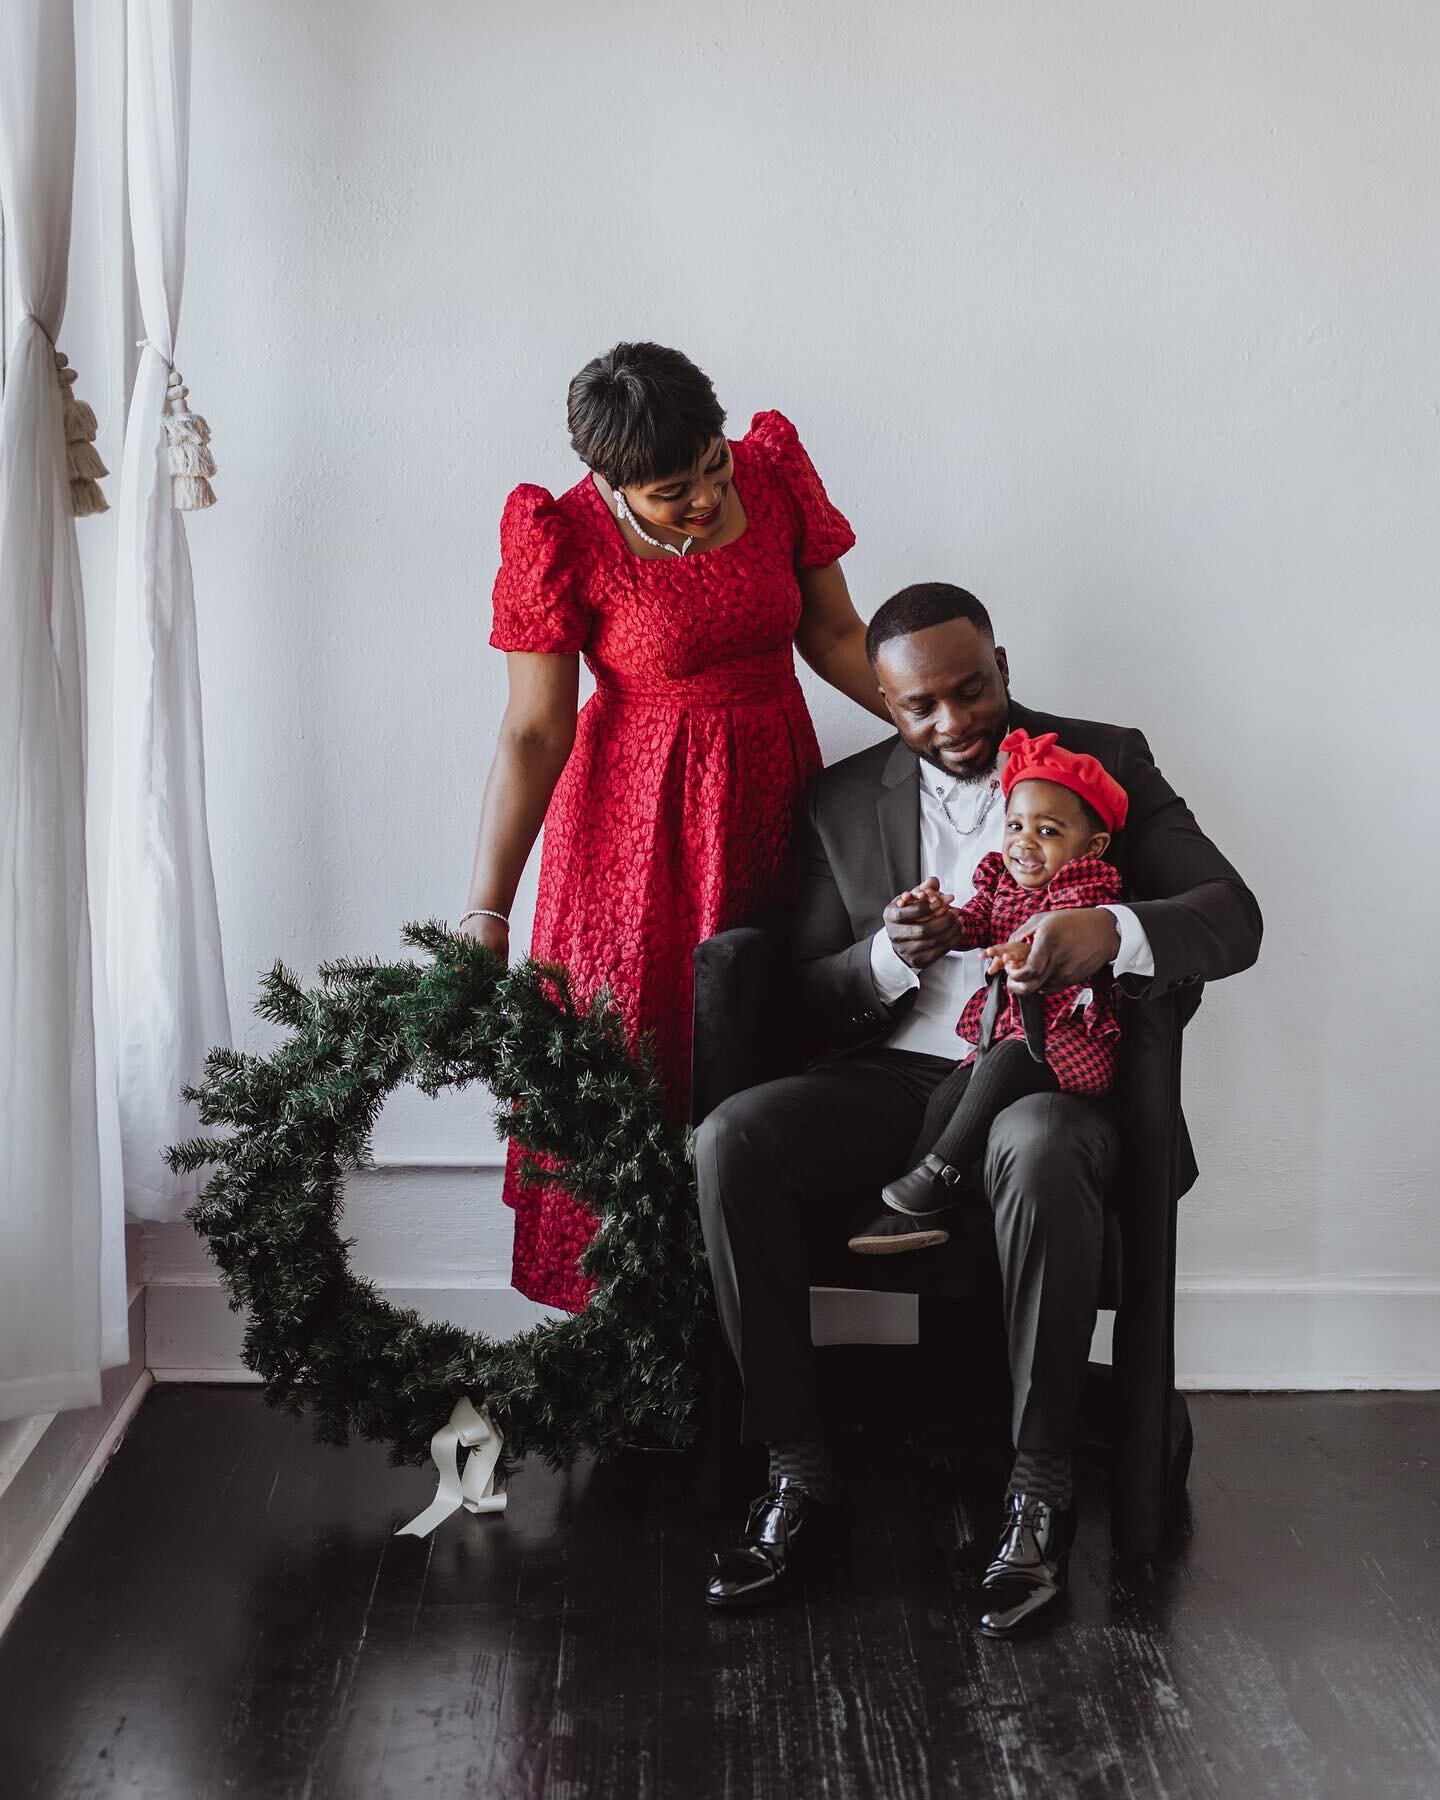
point(1156, 1160)
point(1156, 1165)
point(742, 1025)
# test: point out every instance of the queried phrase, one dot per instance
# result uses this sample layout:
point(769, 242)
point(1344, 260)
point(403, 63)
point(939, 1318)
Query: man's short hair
point(919, 607)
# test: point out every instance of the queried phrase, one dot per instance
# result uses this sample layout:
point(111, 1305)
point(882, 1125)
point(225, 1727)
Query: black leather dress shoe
point(1025, 1583)
point(788, 1533)
point(933, 1187)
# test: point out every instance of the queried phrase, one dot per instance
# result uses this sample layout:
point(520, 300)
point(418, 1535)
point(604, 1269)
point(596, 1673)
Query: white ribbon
point(478, 1433)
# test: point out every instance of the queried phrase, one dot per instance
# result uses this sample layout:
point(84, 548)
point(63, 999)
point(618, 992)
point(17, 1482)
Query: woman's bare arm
point(831, 638)
point(537, 735)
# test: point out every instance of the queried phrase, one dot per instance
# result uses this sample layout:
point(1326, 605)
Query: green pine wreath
point(569, 1086)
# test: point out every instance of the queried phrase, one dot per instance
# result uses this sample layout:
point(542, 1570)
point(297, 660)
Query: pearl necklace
point(625, 513)
point(980, 817)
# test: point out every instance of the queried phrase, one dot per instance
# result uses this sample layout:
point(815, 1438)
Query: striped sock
point(807, 1461)
point(1043, 1475)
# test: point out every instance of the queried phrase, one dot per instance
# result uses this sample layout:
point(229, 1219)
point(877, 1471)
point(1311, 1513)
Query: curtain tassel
point(187, 438)
point(81, 457)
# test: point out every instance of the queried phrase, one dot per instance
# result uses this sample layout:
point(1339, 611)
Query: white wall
point(1122, 315)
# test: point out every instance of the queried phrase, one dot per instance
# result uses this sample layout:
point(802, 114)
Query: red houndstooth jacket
point(1080, 1046)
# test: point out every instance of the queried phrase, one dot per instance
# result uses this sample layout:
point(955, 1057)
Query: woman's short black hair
point(918, 608)
point(641, 412)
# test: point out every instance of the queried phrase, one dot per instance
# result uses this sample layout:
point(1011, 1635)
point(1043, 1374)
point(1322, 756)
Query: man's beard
point(970, 777)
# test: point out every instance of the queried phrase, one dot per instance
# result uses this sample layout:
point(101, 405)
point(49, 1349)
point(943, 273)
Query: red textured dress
point(675, 814)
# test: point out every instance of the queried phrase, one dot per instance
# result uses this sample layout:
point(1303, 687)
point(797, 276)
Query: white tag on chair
point(479, 1436)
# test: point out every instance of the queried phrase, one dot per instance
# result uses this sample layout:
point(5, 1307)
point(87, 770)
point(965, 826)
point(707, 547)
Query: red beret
point(1045, 758)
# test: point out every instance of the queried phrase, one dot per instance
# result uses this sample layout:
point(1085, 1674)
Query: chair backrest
point(1156, 1156)
point(741, 1029)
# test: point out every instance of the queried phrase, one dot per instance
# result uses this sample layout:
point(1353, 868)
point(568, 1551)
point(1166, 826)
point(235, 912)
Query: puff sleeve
point(822, 531)
point(1087, 881)
point(977, 931)
point(539, 600)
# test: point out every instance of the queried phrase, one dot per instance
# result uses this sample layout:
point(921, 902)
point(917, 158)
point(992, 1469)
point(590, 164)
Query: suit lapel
point(898, 809)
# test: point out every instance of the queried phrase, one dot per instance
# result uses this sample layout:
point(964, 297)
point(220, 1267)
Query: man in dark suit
point(881, 988)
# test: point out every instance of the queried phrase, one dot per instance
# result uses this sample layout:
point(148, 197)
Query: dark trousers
point(767, 1158)
point(974, 1096)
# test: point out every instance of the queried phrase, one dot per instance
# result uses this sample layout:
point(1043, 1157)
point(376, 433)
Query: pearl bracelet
point(482, 912)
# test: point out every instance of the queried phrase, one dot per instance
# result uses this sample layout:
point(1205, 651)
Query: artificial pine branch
point(571, 1090)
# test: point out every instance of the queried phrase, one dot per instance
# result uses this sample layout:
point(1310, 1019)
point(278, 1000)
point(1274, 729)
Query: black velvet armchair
point(740, 1039)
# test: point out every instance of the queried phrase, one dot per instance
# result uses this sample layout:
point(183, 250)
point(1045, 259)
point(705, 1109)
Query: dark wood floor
point(229, 1614)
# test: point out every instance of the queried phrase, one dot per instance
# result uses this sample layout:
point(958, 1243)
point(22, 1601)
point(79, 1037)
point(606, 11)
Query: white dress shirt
point(952, 848)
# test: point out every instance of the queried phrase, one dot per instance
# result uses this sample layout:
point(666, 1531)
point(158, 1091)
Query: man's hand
point(1056, 950)
point(920, 925)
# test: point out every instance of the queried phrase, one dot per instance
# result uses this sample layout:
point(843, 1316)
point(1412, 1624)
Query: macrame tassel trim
point(87, 498)
point(187, 439)
point(84, 461)
point(191, 459)
point(80, 426)
point(186, 428)
point(192, 492)
point(83, 464)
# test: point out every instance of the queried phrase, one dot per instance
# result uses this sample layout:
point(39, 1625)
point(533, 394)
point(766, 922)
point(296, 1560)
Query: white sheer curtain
point(162, 929)
point(61, 1256)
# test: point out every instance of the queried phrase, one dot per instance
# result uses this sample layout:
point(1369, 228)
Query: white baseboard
point(191, 1334)
point(53, 1464)
point(1228, 1334)
point(1364, 1333)
point(236, 1377)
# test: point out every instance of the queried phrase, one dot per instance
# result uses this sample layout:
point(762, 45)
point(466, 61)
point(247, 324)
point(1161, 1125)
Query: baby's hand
point(1011, 957)
point(919, 924)
point(927, 898)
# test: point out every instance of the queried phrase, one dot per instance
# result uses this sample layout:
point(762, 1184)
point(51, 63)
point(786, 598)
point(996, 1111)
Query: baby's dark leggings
point(968, 1101)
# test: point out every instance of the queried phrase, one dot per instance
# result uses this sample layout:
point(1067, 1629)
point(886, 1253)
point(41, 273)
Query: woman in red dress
point(686, 569)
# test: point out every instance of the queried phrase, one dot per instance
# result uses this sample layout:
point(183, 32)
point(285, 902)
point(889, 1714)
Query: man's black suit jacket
point(863, 848)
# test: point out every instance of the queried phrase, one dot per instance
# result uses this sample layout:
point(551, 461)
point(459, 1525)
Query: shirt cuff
point(1134, 957)
point(893, 977)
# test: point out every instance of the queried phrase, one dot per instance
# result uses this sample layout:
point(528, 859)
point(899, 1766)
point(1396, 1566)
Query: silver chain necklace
point(625, 513)
point(980, 817)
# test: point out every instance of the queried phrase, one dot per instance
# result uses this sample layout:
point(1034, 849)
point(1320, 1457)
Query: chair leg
point(1150, 1457)
point(1182, 1445)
